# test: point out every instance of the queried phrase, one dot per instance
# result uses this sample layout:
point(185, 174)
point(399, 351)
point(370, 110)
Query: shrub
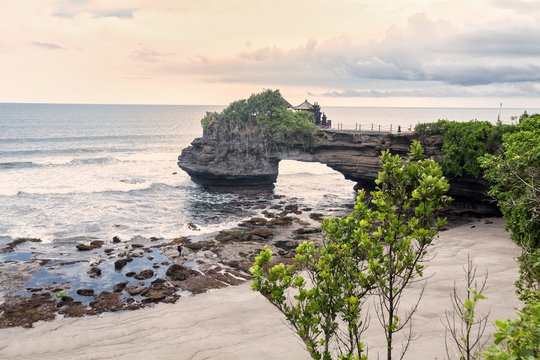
point(515, 175)
point(518, 338)
point(378, 249)
point(464, 142)
point(434, 128)
point(268, 110)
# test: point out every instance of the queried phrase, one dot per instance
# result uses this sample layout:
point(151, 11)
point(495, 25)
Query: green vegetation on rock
point(432, 128)
point(515, 175)
point(287, 127)
point(464, 142)
point(268, 111)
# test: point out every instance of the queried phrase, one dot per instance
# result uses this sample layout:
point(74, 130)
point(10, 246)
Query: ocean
point(75, 172)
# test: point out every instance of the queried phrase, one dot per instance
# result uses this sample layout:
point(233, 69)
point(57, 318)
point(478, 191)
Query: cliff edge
point(241, 149)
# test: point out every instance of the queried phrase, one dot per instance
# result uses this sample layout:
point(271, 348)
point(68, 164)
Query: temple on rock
point(319, 118)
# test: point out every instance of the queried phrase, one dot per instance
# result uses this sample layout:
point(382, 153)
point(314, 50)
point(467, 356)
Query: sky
point(474, 53)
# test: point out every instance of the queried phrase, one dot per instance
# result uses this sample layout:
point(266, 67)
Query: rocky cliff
point(239, 155)
point(242, 157)
point(231, 154)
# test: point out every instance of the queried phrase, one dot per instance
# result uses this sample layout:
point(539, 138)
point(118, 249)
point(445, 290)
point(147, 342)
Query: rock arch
point(232, 163)
point(213, 163)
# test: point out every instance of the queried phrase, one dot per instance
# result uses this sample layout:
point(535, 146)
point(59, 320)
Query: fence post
point(379, 128)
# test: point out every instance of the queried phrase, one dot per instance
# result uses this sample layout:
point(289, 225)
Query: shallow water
point(74, 172)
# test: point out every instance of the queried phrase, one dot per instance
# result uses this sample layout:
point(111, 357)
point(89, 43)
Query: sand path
point(236, 323)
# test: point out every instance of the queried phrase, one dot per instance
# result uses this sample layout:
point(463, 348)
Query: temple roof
point(304, 106)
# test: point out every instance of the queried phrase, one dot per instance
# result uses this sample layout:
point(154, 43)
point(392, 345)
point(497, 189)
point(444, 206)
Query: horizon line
point(221, 105)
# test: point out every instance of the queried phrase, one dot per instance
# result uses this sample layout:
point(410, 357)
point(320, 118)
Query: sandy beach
point(151, 150)
point(237, 323)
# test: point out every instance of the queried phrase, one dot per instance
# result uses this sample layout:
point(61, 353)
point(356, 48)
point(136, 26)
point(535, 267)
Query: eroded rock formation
point(238, 156)
point(231, 154)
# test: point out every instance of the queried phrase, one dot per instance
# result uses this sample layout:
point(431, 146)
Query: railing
point(392, 128)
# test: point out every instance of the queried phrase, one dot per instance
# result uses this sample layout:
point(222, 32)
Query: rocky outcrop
point(231, 154)
point(214, 166)
point(246, 161)
point(237, 158)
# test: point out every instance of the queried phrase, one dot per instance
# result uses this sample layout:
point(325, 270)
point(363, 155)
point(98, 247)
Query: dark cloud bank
point(426, 58)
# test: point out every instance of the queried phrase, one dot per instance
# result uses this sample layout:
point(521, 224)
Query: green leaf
point(61, 294)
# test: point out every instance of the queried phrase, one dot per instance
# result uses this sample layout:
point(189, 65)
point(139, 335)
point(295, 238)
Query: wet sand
point(236, 323)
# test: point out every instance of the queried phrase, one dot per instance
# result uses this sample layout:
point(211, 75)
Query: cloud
point(517, 5)
point(148, 55)
point(526, 89)
point(480, 74)
point(95, 8)
point(47, 45)
point(262, 54)
point(428, 58)
point(117, 13)
point(378, 50)
point(64, 14)
point(503, 40)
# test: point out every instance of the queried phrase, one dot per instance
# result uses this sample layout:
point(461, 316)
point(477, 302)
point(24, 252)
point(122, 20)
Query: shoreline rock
point(158, 270)
point(164, 274)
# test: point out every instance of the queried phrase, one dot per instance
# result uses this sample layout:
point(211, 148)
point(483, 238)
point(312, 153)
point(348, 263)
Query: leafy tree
point(269, 113)
point(326, 285)
point(518, 339)
point(463, 143)
point(463, 325)
point(432, 128)
point(403, 224)
point(286, 127)
point(515, 175)
point(378, 249)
